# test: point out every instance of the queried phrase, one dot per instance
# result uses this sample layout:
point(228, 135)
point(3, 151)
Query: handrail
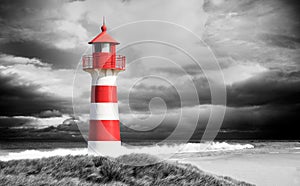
point(89, 62)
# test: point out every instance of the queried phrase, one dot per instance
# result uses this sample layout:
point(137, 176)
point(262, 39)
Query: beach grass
point(96, 170)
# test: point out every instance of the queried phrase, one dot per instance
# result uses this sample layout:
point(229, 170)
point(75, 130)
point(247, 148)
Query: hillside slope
point(92, 170)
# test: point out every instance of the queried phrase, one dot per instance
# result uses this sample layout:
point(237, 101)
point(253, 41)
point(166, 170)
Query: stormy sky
point(186, 62)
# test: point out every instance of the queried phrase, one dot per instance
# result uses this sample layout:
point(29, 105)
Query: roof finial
point(103, 27)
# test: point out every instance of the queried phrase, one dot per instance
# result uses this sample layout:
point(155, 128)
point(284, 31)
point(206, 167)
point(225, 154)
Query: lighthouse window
point(105, 47)
point(102, 47)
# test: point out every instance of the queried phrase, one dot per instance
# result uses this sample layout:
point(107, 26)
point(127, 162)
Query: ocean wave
point(191, 148)
point(154, 150)
point(296, 148)
point(215, 146)
point(34, 154)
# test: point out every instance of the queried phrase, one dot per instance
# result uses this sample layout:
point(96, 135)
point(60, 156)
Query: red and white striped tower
point(104, 66)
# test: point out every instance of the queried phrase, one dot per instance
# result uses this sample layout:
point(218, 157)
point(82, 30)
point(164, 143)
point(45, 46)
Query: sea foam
point(154, 150)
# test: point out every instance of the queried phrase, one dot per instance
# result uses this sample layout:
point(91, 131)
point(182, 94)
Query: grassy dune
point(89, 170)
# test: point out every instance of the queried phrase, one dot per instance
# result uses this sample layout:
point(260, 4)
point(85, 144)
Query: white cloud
point(58, 82)
point(240, 72)
point(9, 60)
point(34, 122)
point(72, 34)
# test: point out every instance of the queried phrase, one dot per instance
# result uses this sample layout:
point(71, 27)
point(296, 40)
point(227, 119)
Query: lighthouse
point(104, 65)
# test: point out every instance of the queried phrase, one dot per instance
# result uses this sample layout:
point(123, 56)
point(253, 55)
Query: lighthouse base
point(104, 148)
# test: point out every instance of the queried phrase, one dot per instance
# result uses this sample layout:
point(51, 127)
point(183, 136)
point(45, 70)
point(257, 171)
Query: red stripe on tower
point(104, 94)
point(104, 130)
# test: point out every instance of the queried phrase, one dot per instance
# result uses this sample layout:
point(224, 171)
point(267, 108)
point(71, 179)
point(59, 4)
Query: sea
point(172, 150)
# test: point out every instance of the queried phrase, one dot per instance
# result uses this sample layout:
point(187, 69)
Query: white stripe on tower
point(106, 80)
point(104, 111)
point(105, 77)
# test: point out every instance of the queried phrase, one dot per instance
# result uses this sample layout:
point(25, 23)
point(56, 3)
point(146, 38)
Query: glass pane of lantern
point(101, 47)
point(97, 47)
point(105, 47)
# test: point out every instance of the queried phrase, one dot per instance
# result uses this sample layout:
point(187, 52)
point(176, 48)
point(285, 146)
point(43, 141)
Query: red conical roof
point(103, 37)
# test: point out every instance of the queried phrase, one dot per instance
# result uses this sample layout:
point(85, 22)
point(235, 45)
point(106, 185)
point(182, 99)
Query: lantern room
point(103, 53)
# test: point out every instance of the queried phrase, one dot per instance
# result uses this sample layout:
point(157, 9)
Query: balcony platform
point(103, 61)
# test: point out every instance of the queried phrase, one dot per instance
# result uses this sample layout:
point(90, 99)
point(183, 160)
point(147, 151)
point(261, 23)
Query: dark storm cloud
point(7, 6)
point(265, 33)
point(48, 54)
point(271, 88)
point(267, 88)
point(18, 16)
point(63, 132)
point(266, 122)
point(265, 106)
point(41, 29)
point(25, 99)
point(9, 122)
point(273, 105)
point(195, 69)
point(142, 94)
